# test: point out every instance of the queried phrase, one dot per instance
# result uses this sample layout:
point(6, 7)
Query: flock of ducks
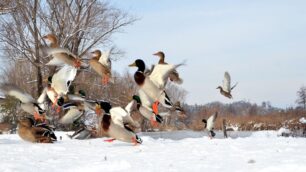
point(113, 122)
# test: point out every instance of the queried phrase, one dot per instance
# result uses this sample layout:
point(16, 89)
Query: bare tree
point(6, 6)
point(80, 25)
point(301, 100)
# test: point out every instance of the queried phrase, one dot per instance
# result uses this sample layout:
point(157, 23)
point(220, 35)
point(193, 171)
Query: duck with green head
point(153, 85)
point(114, 129)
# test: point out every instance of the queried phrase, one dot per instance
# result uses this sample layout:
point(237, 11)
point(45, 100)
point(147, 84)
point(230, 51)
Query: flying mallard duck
point(174, 75)
point(209, 124)
point(27, 102)
point(101, 63)
point(60, 56)
point(153, 85)
point(226, 89)
point(36, 133)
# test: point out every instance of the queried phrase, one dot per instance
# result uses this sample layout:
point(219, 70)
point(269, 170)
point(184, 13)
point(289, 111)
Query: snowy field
point(177, 151)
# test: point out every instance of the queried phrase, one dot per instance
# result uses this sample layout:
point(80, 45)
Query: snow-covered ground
point(177, 151)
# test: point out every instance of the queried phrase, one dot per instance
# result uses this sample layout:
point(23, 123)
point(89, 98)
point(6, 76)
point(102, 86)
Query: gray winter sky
point(261, 43)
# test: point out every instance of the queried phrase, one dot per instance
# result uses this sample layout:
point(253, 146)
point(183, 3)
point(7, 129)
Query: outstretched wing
point(122, 117)
point(55, 62)
point(118, 114)
point(72, 114)
point(159, 75)
point(41, 99)
point(62, 79)
point(227, 82)
point(105, 60)
point(61, 57)
point(211, 121)
point(234, 86)
point(129, 107)
point(14, 91)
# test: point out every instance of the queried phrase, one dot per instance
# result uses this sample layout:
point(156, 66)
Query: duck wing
point(105, 60)
point(130, 106)
point(117, 114)
point(62, 79)
point(72, 114)
point(160, 74)
point(42, 98)
point(227, 82)
point(55, 62)
point(100, 68)
point(14, 91)
point(75, 97)
point(61, 57)
point(122, 117)
point(211, 121)
point(234, 86)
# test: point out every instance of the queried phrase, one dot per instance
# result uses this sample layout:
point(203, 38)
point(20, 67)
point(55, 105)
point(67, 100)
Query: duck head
point(106, 119)
point(106, 106)
point(138, 101)
point(205, 122)
point(219, 87)
point(140, 64)
point(96, 54)
point(60, 101)
point(49, 80)
point(52, 40)
point(82, 93)
point(161, 56)
point(139, 76)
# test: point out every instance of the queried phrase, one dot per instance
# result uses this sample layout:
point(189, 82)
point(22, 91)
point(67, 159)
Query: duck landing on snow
point(209, 124)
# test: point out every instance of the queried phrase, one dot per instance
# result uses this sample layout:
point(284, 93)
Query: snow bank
point(261, 151)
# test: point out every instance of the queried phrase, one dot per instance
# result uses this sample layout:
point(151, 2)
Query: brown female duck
point(101, 64)
point(60, 56)
point(226, 89)
point(35, 134)
point(174, 75)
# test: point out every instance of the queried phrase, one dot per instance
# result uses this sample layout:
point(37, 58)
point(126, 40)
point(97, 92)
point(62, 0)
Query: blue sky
point(261, 43)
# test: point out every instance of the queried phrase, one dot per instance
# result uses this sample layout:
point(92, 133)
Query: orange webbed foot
point(58, 109)
point(155, 107)
point(38, 117)
point(105, 80)
point(54, 103)
point(153, 122)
